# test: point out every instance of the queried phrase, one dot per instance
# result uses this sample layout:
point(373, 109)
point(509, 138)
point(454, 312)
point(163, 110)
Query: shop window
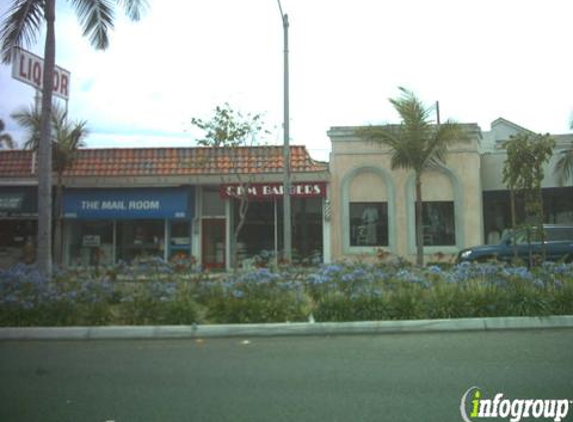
point(557, 209)
point(258, 232)
point(17, 242)
point(438, 222)
point(213, 205)
point(140, 238)
point(368, 224)
point(307, 228)
point(180, 239)
point(90, 243)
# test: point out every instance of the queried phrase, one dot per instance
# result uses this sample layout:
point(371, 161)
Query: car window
point(560, 233)
point(521, 236)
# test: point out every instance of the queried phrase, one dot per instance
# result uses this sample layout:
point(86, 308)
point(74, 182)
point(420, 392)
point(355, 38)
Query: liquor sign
point(29, 68)
point(274, 190)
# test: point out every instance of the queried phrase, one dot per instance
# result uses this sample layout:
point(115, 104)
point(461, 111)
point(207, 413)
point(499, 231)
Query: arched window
point(441, 202)
point(368, 209)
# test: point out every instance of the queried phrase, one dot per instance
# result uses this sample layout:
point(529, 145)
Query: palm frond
point(564, 166)
point(96, 18)
point(29, 119)
point(386, 136)
point(21, 26)
point(133, 8)
point(6, 139)
point(442, 138)
point(411, 110)
point(65, 150)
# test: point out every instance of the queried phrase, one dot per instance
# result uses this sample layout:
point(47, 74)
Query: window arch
point(442, 211)
point(368, 210)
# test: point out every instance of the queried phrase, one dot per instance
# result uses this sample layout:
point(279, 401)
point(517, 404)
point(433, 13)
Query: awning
point(129, 203)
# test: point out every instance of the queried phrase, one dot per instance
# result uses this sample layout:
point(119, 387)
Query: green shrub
point(254, 297)
point(333, 292)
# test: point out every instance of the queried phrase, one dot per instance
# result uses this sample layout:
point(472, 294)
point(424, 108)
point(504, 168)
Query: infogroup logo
point(474, 406)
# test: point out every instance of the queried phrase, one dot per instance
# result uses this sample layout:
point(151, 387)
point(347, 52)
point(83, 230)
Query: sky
point(480, 59)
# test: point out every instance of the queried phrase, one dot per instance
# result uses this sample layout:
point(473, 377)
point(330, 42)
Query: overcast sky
point(480, 59)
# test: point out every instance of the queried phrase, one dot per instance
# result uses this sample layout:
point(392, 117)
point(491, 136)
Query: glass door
point(213, 248)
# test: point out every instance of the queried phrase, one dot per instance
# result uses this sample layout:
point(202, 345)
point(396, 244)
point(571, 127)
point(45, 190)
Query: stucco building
point(123, 203)
point(464, 202)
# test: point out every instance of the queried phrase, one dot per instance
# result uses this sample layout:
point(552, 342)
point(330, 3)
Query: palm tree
point(416, 144)
point(564, 165)
point(67, 138)
point(5, 138)
point(21, 26)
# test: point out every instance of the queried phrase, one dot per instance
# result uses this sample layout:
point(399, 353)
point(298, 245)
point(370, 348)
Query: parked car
point(558, 245)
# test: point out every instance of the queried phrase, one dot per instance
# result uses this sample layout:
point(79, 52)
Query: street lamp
point(287, 256)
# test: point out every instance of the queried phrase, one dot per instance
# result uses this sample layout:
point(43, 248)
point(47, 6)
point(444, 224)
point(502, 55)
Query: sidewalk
point(284, 329)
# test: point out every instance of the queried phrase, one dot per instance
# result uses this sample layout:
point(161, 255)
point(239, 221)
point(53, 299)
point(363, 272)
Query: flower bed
point(154, 292)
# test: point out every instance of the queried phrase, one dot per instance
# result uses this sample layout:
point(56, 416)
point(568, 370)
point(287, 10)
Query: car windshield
point(523, 236)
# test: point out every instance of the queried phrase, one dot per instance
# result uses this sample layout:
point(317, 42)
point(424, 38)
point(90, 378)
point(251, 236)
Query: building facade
point(121, 204)
point(464, 202)
point(557, 194)
point(173, 203)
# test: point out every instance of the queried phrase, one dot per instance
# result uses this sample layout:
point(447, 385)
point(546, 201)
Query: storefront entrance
point(104, 226)
point(213, 248)
point(261, 236)
point(18, 225)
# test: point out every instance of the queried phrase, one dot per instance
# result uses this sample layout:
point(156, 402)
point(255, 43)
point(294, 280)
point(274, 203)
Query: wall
point(362, 171)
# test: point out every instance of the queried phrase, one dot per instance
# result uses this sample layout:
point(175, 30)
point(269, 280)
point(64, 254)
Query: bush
point(70, 299)
point(254, 297)
point(151, 303)
point(153, 292)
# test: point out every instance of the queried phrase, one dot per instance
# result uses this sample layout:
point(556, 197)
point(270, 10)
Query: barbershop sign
point(274, 190)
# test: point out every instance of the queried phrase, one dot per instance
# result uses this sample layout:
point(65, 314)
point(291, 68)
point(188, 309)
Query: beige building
point(464, 203)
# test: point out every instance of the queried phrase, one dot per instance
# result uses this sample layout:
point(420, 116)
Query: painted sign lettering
point(274, 190)
point(29, 68)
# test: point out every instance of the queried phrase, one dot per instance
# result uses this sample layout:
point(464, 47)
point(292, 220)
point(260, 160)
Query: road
point(410, 377)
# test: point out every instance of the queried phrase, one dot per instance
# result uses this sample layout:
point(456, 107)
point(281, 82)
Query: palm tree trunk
point(513, 220)
point(243, 208)
point(541, 220)
point(419, 227)
point(44, 251)
point(58, 240)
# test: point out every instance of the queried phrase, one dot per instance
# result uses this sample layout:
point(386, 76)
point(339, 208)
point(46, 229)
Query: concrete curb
point(284, 329)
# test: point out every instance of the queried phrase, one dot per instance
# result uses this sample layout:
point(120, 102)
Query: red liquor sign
point(29, 68)
point(274, 190)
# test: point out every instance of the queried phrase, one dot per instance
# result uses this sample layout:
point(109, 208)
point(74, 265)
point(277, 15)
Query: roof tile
point(169, 161)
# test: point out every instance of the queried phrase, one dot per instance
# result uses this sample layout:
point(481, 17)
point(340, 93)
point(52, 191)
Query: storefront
point(18, 224)
point(557, 209)
point(124, 203)
point(104, 226)
point(374, 206)
point(262, 232)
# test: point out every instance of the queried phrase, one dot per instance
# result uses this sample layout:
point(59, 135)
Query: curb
point(284, 329)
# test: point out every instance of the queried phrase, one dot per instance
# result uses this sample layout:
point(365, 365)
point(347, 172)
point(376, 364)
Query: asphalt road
point(411, 377)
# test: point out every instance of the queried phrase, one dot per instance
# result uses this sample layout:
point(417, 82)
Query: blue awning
point(129, 203)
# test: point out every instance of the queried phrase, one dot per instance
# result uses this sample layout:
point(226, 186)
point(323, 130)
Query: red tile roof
point(16, 163)
point(169, 161)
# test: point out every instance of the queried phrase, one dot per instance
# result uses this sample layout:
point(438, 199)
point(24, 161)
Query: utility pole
point(287, 229)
